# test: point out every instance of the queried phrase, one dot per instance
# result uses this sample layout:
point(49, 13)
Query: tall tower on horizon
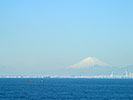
point(126, 73)
point(112, 74)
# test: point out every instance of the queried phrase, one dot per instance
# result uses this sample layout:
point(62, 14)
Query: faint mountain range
point(100, 70)
point(3, 69)
point(89, 62)
point(94, 66)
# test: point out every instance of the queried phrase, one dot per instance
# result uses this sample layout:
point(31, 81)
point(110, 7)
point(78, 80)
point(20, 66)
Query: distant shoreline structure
point(127, 75)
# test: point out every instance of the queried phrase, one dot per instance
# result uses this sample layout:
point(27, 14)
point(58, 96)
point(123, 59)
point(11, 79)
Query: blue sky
point(52, 34)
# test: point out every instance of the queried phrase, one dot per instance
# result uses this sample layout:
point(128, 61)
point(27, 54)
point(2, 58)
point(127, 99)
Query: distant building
point(126, 73)
point(112, 75)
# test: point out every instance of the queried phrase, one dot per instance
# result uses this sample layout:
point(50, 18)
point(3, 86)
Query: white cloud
point(89, 62)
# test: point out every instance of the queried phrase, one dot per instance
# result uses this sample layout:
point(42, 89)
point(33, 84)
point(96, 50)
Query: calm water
point(66, 89)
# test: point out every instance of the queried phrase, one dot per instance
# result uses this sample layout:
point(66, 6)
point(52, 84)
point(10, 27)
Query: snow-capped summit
point(89, 62)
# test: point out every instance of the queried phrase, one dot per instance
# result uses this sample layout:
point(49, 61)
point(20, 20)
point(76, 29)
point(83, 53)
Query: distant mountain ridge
point(94, 66)
point(89, 62)
point(100, 70)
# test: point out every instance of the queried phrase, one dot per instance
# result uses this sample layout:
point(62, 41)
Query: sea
point(65, 89)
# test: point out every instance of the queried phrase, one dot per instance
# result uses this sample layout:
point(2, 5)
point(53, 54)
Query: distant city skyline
point(47, 36)
point(127, 75)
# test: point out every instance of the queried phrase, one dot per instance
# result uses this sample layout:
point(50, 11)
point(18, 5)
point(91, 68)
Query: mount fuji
point(89, 62)
point(93, 66)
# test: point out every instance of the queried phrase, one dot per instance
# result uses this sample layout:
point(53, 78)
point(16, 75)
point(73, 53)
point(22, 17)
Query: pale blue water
point(66, 89)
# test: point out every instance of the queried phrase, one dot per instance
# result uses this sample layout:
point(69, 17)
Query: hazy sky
point(45, 35)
